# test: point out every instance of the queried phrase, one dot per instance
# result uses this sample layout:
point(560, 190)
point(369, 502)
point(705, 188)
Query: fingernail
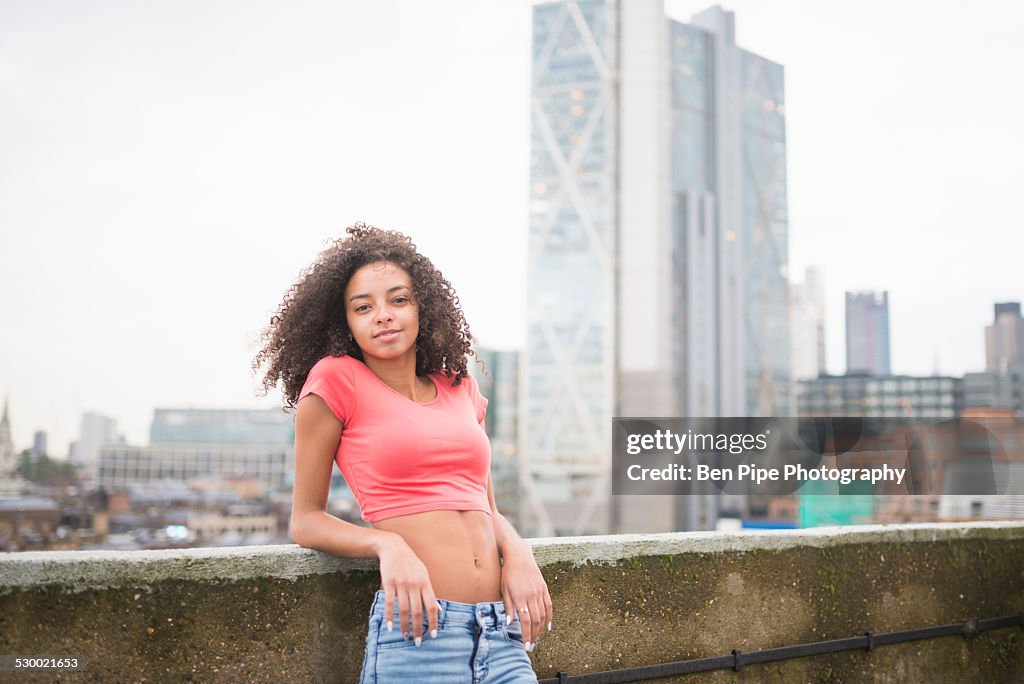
point(549, 626)
point(391, 625)
point(529, 646)
point(433, 634)
point(508, 620)
point(418, 641)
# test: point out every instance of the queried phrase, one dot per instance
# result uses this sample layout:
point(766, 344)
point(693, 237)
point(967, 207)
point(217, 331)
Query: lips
point(385, 334)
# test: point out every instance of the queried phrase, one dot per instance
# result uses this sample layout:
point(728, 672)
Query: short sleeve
point(479, 400)
point(332, 380)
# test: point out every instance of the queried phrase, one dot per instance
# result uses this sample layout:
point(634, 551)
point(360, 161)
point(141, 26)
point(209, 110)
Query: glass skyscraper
point(867, 333)
point(658, 247)
point(569, 381)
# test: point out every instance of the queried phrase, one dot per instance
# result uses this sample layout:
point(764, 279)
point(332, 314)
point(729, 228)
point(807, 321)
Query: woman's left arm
point(523, 588)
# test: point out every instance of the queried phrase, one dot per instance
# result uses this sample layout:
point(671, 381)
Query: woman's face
point(381, 312)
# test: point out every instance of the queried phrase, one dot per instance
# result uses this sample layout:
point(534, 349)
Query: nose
point(383, 314)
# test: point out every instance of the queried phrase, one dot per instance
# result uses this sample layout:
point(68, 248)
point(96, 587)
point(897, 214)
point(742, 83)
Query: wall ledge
point(76, 571)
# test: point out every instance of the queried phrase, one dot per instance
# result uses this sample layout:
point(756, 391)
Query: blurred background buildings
point(658, 284)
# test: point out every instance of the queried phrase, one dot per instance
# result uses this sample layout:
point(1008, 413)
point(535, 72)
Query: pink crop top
point(398, 456)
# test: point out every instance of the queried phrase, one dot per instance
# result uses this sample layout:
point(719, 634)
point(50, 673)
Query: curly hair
point(310, 322)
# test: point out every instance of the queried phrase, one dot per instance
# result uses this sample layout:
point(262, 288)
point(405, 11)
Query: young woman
point(371, 346)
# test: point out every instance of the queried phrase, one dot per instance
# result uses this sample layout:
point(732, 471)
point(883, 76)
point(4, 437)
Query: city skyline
point(159, 199)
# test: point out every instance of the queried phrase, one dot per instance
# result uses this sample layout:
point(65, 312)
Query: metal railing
point(738, 659)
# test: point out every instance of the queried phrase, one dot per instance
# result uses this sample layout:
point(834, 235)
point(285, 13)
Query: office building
point(129, 466)
point(657, 268)
point(39, 444)
point(221, 426)
point(1001, 385)
point(190, 443)
point(867, 333)
point(96, 432)
point(862, 395)
point(807, 326)
point(892, 396)
point(996, 389)
point(500, 385)
point(1004, 339)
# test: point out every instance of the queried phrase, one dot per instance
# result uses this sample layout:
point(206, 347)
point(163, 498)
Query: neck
point(398, 374)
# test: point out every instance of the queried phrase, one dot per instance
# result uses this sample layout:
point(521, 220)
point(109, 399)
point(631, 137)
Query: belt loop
point(442, 613)
point(377, 596)
point(483, 613)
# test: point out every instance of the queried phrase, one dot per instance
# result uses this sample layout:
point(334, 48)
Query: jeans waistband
point(485, 614)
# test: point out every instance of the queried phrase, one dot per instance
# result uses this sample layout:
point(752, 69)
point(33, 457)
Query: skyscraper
point(1004, 339)
point(867, 333)
point(1001, 385)
point(807, 318)
point(97, 430)
point(658, 244)
point(39, 444)
point(501, 387)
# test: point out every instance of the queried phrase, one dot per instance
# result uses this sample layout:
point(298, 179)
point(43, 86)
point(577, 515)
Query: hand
point(525, 593)
point(404, 576)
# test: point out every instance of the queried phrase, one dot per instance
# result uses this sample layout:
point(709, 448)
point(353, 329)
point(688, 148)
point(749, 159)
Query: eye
point(401, 300)
point(362, 307)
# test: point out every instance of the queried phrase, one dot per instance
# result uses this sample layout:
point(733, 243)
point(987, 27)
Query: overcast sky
point(167, 169)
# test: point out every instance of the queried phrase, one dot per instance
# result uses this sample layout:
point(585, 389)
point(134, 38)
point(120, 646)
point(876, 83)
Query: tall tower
point(807, 329)
point(97, 430)
point(8, 457)
point(569, 376)
point(867, 333)
point(658, 247)
point(1004, 339)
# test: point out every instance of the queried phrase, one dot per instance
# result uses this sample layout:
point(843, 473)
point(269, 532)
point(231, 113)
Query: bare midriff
point(459, 550)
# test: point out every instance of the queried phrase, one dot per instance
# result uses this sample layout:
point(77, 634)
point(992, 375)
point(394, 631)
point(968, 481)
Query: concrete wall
point(282, 613)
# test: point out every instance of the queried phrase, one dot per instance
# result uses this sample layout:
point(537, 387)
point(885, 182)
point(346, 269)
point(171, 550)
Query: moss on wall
point(653, 609)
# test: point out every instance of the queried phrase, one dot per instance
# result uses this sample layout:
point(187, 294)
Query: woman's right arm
point(403, 575)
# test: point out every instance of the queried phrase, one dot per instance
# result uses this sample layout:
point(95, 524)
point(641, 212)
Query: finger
point(389, 607)
point(540, 617)
point(416, 615)
point(539, 613)
point(548, 607)
point(523, 613)
point(403, 612)
point(510, 609)
point(525, 622)
point(535, 615)
point(433, 610)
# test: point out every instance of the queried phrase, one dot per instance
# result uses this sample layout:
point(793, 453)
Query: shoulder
point(471, 389)
point(331, 378)
point(334, 366)
point(329, 362)
point(448, 381)
point(471, 385)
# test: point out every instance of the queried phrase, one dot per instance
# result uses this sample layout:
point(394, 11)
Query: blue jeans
point(473, 645)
